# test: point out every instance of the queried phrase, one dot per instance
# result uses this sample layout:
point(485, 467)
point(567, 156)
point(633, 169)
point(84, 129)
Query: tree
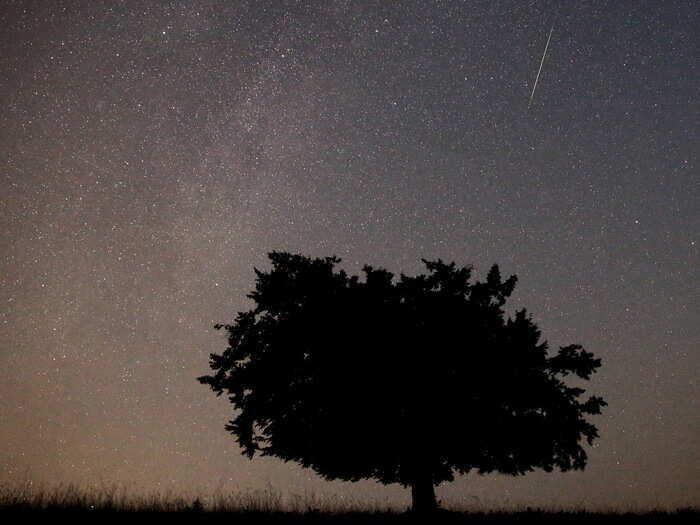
point(410, 380)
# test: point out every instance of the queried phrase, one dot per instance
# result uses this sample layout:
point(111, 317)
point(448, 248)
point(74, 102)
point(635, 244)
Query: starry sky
point(152, 154)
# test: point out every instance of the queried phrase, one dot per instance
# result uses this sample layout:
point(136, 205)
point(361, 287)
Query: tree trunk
point(423, 495)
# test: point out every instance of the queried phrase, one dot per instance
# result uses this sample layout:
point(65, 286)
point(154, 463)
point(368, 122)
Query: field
point(115, 504)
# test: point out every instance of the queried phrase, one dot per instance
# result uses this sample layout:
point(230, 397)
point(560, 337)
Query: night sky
point(152, 154)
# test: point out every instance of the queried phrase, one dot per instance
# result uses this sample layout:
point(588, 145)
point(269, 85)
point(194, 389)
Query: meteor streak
point(541, 63)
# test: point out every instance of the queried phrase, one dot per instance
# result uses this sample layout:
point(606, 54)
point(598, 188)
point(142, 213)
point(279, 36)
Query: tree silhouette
point(409, 380)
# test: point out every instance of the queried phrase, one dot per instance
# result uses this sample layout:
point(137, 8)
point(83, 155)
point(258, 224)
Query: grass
point(116, 498)
point(270, 506)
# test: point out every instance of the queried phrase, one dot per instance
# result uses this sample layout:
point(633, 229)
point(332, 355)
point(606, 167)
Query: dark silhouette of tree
point(407, 380)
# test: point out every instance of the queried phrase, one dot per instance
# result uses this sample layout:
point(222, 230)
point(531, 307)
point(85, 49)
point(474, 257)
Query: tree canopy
point(407, 380)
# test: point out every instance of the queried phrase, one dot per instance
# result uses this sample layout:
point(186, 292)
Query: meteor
point(541, 63)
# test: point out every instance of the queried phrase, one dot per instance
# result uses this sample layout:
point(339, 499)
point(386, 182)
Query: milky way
point(154, 152)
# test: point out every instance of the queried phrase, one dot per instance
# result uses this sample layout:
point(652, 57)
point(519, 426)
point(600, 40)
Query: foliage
point(398, 379)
